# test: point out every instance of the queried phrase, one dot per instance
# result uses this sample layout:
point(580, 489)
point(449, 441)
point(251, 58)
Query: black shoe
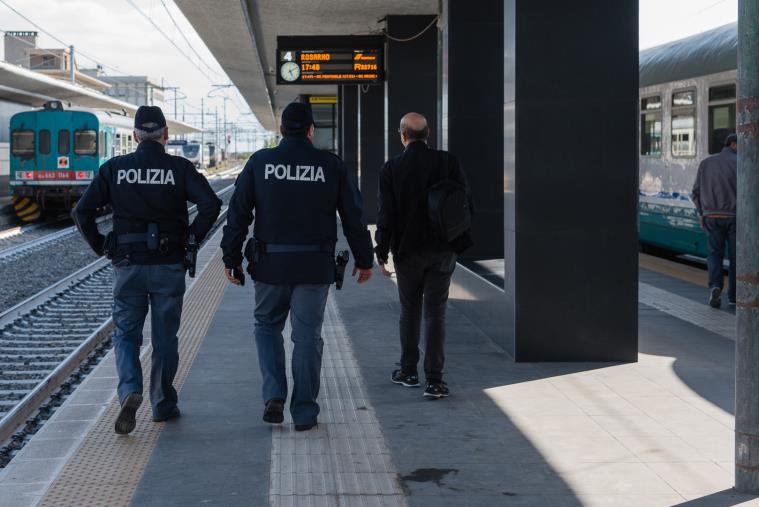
point(171, 415)
point(274, 411)
point(436, 390)
point(715, 297)
point(400, 378)
point(731, 302)
point(305, 427)
point(126, 420)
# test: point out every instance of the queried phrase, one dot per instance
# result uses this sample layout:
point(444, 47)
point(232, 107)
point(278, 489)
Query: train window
point(45, 142)
point(721, 124)
point(85, 142)
point(651, 103)
point(726, 92)
point(22, 143)
point(64, 142)
point(684, 123)
point(650, 134)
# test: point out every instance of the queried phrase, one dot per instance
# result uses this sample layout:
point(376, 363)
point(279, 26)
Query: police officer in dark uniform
point(295, 190)
point(148, 191)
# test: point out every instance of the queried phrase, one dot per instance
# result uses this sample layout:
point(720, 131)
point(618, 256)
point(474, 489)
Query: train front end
point(53, 157)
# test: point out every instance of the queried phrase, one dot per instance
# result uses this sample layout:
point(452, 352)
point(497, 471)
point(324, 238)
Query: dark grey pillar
point(349, 129)
point(339, 133)
point(472, 118)
point(371, 145)
point(571, 179)
point(411, 76)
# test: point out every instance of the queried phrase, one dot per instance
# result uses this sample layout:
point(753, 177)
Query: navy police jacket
point(148, 186)
point(295, 190)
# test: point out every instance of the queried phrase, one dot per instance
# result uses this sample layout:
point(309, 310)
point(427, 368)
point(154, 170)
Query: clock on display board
point(290, 71)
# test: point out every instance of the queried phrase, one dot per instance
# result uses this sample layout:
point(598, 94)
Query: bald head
point(414, 128)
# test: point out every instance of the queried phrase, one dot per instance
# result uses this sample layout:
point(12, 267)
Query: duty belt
point(281, 248)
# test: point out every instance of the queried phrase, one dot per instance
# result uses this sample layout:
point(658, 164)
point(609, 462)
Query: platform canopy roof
point(25, 86)
point(242, 35)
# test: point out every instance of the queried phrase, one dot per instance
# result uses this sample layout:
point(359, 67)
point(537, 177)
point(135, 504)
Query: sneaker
point(436, 390)
point(274, 411)
point(715, 297)
point(171, 415)
point(400, 378)
point(126, 420)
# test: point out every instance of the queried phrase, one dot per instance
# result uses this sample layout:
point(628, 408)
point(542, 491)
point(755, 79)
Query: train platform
point(658, 432)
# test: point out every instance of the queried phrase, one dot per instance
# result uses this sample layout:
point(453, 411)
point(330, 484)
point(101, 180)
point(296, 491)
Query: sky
point(115, 34)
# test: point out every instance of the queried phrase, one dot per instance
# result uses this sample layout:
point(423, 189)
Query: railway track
point(49, 342)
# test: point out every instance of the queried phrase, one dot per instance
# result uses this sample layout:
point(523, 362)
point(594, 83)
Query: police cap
point(297, 116)
point(149, 119)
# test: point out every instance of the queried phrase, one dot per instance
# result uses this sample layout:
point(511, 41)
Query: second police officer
point(148, 191)
point(295, 190)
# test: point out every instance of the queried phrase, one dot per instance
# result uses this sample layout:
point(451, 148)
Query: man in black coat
point(424, 263)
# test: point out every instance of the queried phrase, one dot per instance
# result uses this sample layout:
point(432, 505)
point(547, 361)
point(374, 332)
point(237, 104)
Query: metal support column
point(747, 342)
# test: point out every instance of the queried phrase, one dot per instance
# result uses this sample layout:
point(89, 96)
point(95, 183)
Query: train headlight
point(84, 175)
point(24, 175)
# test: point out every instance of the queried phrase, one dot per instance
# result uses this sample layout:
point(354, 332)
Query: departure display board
point(330, 60)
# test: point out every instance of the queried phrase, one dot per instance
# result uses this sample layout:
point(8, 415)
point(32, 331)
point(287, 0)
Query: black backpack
point(448, 206)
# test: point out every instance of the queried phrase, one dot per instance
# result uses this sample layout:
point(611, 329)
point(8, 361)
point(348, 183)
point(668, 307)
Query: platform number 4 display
point(288, 56)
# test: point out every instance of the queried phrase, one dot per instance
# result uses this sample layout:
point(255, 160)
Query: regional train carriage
point(687, 109)
point(55, 153)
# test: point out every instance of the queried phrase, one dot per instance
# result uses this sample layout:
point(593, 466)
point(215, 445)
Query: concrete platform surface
point(658, 432)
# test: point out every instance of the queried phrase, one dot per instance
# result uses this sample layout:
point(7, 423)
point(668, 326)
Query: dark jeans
point(423, 280)
point(135, 288)
point(721, 231)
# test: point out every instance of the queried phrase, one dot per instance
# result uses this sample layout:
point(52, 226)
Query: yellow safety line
point(106, 468)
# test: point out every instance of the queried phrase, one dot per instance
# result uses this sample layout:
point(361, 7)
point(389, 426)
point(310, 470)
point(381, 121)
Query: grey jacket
point(714, 192)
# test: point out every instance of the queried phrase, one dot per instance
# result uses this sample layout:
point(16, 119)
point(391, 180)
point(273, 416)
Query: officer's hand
point(363, 274)
point(385, 271)
point(231, 275)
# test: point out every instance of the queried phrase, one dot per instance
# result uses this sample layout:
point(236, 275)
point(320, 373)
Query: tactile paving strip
point(343, 462)
point(106, 468)
point(716, 321)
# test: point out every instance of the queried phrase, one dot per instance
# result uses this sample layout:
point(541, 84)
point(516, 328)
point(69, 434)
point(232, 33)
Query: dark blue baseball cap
point(149, 119)
point(297, 116)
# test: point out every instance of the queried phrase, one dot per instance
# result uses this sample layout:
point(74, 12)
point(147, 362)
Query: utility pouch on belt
point(109, 245)
point(191, 255)
point(341, 261)
point(152, 239)
point(252, 253)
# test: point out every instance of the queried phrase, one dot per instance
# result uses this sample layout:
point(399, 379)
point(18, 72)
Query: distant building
point(21, 49)
point(137, 90)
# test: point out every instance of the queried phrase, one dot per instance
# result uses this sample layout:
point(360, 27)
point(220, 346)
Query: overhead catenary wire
point(165, 36)
point(57, 39)
point(181, 32)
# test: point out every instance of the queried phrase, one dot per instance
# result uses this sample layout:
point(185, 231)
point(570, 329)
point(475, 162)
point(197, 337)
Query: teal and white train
point(687, 108)
point(55, 153)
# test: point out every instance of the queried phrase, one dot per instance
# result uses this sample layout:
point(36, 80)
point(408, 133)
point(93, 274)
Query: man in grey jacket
point(714, 194)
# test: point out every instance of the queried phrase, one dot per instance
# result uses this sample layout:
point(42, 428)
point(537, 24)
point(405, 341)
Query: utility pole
point(72, 64)
point(747, 335)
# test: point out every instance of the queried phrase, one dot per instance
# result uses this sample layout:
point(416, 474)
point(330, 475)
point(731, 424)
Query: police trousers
point(423, 283)
point(136, 288)
point(305, 305)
